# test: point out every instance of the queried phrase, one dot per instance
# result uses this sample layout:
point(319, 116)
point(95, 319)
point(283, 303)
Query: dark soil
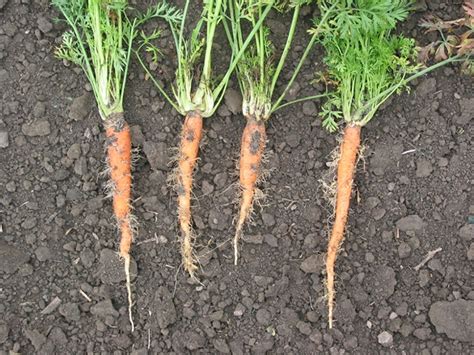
point(62, 289)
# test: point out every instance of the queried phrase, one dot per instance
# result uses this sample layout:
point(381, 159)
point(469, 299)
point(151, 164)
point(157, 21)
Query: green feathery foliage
point(99, 40)
point(365, 60)
point(196, 87)
point(258, 69)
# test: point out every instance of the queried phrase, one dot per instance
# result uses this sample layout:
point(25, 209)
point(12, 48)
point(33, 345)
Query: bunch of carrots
point(366, 64)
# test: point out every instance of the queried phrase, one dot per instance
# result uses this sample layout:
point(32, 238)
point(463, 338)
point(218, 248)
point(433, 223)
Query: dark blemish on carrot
point(190, 135)
point(255, 142)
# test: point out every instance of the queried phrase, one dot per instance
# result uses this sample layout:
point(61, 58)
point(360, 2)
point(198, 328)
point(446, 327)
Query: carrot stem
point(191, 135)
point(251, 153)
point(119, 154)
point(345, 175)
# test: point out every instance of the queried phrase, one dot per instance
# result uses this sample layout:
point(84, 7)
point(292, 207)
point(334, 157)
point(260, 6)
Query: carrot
point(345, 174)
point(188, 154)
point(251, 153)
point(119, 155)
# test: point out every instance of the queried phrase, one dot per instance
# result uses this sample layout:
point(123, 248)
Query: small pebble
point(385, 339)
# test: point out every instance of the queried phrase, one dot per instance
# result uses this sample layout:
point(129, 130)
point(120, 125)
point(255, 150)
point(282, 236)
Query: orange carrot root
point(251, 153)
point(119, 154)
point(345, 174)
point(191, 135)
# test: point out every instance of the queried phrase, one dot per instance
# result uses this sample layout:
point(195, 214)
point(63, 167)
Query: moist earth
point(62, 288)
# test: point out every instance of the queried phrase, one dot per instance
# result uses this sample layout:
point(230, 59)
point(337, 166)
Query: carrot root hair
point(345, 175)
point(119, 158)
point(251, 154)
point(191, 135)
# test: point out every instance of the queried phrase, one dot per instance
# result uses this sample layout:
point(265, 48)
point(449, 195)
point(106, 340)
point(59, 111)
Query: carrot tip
point(129, 290)
point(238, 235)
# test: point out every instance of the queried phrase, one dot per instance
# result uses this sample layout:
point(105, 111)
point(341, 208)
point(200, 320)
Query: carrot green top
point(99, 41)
point(257, 69)
point(365, 60)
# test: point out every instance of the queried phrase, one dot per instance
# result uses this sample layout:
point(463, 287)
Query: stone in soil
point(44, 25)
point(233, 101)
point(385, 339)
point(263, 316)
point(36, 129)
point(111, 268)
point(70, 311)
point(4, 330)
point(36, 338)
point(193, 340)
point(470, 252)
point(455, 319)
point(4, 142)
point(80, 107)
point(157, 155)
point(313, 264)
point(467, 232)
point(218, 220)
point(164, 308)
point(104, 308)
point(411, 223)
point(43, 253)
point(424, 168)
point(382, 282)
point(467, 107)
point(11, 258)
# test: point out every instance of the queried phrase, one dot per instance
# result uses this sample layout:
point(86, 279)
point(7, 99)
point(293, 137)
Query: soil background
point(61, 285)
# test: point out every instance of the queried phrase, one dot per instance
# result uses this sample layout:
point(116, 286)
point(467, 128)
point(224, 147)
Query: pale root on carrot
point(346, 167)
point(191, 135)
point(251, 154)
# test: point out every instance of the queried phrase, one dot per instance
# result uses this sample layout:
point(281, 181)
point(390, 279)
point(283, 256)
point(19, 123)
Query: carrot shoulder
point(345, 176)
point(251, 153)
point(191, 135)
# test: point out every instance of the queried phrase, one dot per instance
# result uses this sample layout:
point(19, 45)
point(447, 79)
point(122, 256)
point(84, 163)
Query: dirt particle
point(385, 339)
point(111, 267)
point(43, 253)
point(424, 168)
point(80, 107)
point(104, 308)
point(163, 307)
point(411, 223)
point(44, 25)
point(157, 155)
point(263, 316)
point(293, 140)
point(304, 328)
point(221, 346)
point(470, 252)
point(11, 258)
point(70, 311)
point(193, 340)
point(253, 239)
point(455, 319)
point(313, 264)
point(4, 141)
point(268, 219)
point(4, 330)
point(74, 151)
point(404, 250)
point(233, 101)
point(36, 338)
point(36, 129)
point(466, 232)
point(239, 310)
